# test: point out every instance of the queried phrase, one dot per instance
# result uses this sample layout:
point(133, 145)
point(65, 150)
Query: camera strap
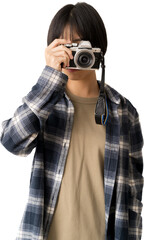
point(101, 111)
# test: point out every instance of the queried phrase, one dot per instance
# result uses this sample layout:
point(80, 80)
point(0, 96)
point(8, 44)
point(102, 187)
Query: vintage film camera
point(85, 57)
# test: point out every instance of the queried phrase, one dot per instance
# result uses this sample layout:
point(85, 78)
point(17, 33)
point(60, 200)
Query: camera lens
point(84, 59)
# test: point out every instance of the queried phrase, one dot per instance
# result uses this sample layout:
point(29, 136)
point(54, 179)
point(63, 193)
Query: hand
point(55, 54)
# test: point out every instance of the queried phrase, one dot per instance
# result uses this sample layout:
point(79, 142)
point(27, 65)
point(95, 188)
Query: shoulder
point(125, 105)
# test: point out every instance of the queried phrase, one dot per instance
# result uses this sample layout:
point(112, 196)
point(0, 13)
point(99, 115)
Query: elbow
point(19, 149)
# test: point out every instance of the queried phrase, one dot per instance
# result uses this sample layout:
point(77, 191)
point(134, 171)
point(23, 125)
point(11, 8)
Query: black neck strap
point(102, 77)
point(101, 111)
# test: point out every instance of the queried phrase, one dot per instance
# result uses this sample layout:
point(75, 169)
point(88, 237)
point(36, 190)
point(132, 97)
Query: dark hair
point(82, 17)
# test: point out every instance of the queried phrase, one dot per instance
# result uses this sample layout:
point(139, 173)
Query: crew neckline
point(79, 99)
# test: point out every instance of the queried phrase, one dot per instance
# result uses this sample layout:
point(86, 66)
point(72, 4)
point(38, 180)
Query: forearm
point(20, 133)
point(135, 179)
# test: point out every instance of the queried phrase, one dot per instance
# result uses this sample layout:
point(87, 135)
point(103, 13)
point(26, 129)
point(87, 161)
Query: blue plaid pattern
point(44, 121)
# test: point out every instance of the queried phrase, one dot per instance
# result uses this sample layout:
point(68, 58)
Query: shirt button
point(64, 143)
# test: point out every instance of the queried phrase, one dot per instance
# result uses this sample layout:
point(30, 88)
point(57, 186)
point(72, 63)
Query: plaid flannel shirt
point(44, 121)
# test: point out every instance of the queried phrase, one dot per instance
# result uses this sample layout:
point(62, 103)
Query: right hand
point(55, 54)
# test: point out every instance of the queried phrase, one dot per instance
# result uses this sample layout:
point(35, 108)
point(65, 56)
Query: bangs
point(73, 27)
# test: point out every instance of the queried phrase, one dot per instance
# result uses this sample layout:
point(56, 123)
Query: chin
point(72, 71)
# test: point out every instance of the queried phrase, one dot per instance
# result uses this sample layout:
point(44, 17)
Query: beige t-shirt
point(80, 208)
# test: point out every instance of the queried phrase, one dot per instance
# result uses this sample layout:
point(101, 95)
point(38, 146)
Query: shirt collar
point(112, 94)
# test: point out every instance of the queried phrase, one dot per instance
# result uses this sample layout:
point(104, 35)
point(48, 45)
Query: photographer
point(86, 178)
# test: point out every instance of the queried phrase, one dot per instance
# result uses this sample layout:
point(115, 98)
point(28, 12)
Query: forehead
point(70, 32)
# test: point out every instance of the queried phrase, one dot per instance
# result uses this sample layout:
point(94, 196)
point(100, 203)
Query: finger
point(57, 42)
point(63, 54)
point(63, 61)
point(63, 49)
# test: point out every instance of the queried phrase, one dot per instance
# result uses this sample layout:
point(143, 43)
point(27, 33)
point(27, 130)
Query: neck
point(84, 87)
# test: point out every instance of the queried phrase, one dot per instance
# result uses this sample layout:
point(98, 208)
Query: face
point(76, 74)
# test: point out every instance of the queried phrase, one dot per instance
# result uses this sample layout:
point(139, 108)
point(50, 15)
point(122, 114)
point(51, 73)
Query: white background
point(23, 36)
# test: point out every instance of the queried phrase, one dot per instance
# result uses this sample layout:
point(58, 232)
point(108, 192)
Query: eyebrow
point(76, 39)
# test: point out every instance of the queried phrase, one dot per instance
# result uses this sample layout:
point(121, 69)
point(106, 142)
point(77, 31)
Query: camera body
point(85, 57)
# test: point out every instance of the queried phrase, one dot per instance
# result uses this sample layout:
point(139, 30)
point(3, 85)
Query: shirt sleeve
point(20, 133)
point(135, 177)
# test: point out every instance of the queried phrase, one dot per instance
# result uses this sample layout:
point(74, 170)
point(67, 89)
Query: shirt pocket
point(135, 218)
point(135, 205)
